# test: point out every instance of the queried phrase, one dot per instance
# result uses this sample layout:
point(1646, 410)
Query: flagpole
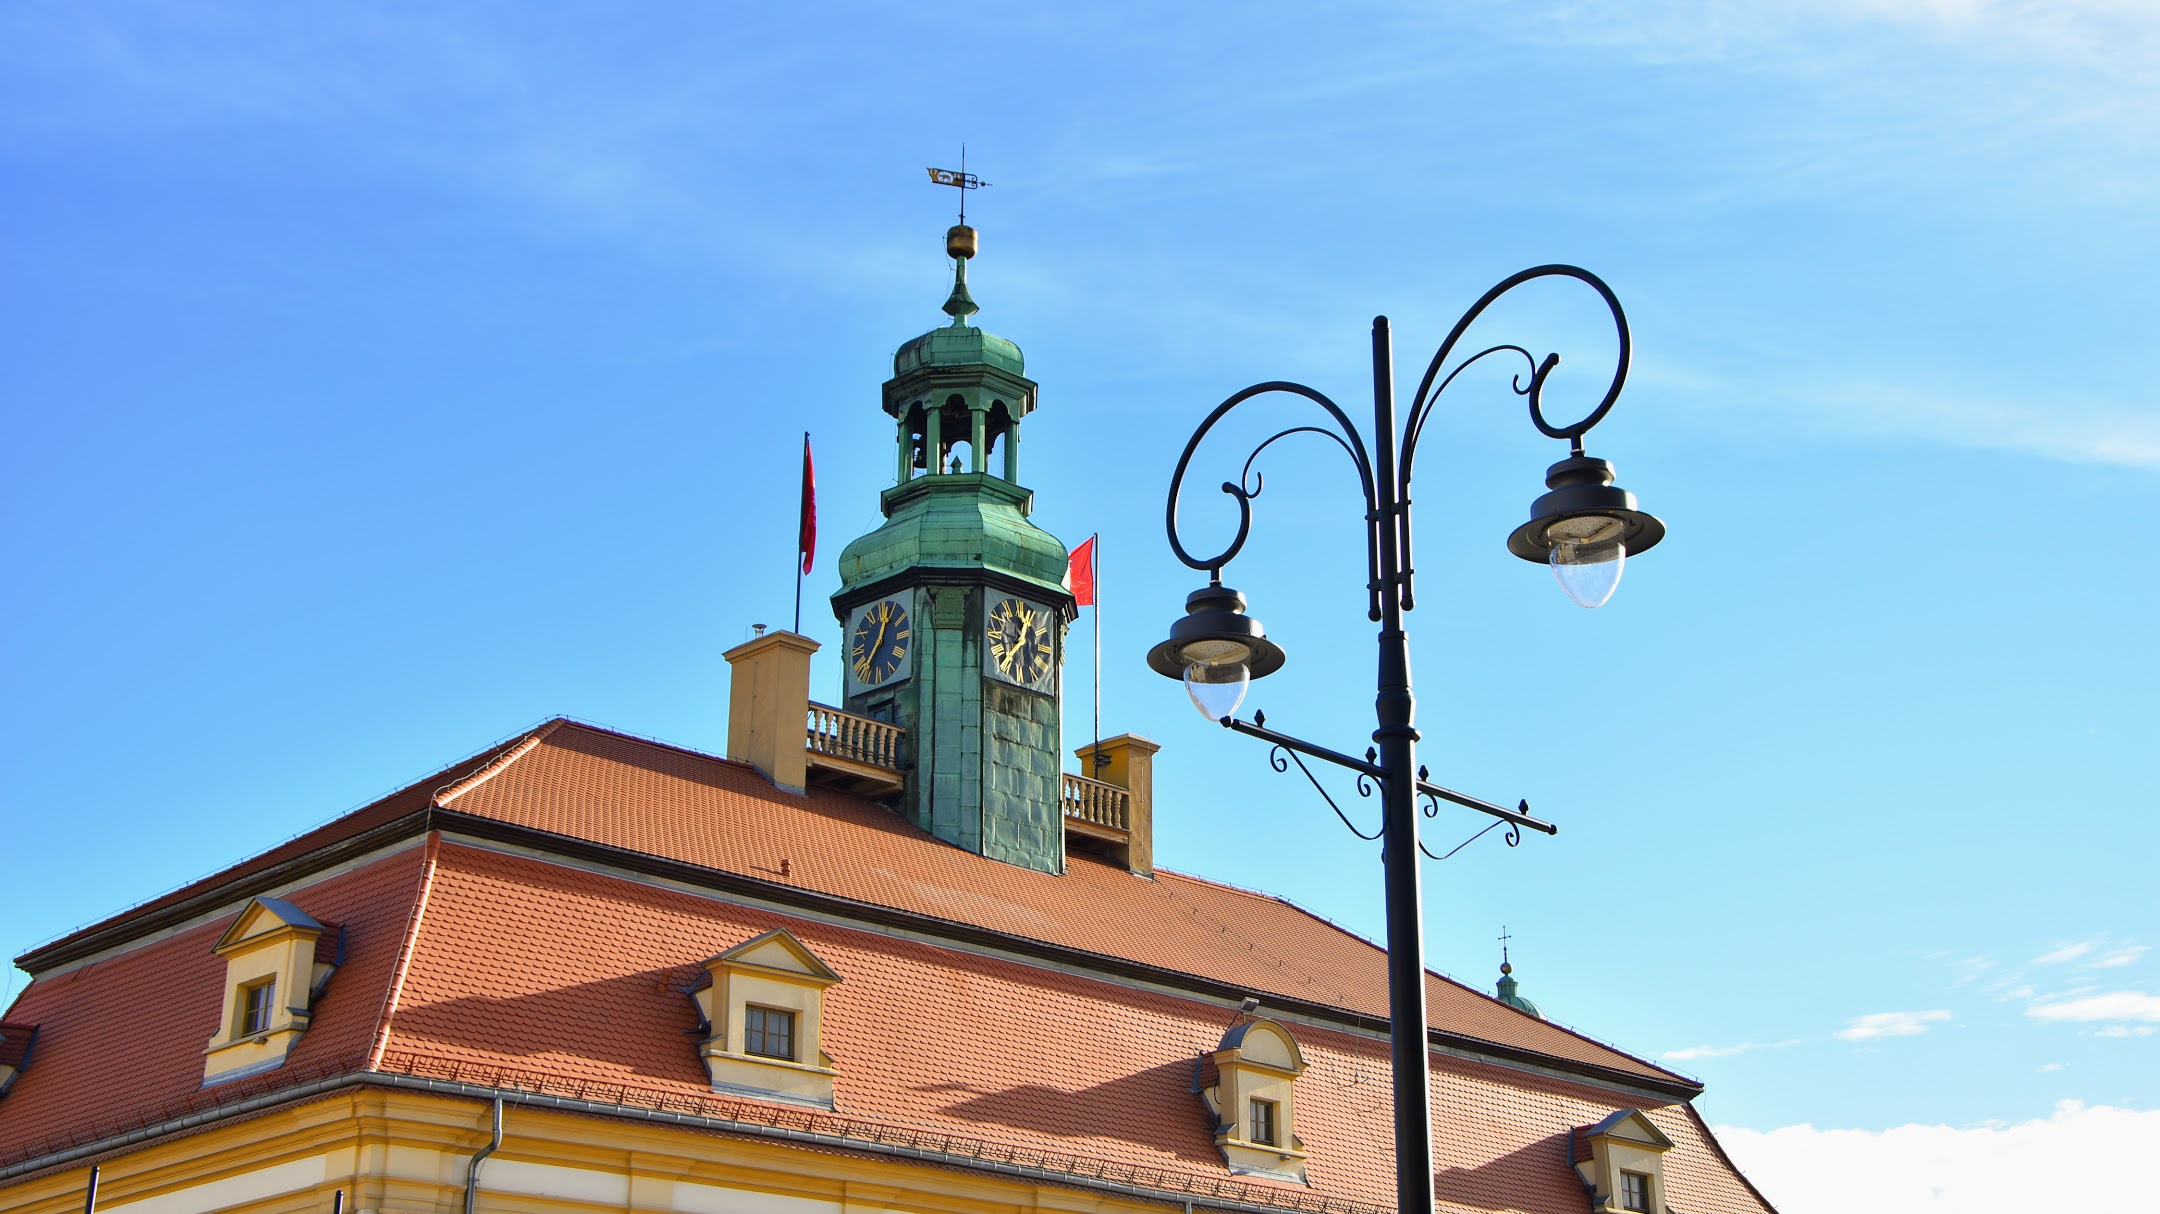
point(1095, 589)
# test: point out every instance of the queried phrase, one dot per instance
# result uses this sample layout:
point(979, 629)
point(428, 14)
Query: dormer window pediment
point(762, 1005)
point(278, 960)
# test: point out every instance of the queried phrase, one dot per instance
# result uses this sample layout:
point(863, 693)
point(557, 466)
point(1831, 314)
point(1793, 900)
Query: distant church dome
point(1508, 995)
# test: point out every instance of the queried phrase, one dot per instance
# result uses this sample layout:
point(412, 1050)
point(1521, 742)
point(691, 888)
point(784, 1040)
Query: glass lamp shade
point(1218, 687)
point(1588, 553)
point(1216, 650)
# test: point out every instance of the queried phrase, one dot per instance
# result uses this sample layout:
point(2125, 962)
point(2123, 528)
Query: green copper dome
point(958, 344)
point(956, 521)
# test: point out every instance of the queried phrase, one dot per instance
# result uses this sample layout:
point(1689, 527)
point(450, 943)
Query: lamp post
point(1584, 527)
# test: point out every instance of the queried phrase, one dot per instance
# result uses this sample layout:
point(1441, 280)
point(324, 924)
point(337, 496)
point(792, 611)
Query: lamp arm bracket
point(1278, 738)
point(1519, 817)
point(1249, 484)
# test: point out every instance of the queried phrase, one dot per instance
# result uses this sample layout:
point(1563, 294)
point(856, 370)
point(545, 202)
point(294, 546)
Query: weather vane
point(961, 180)
point(1504, 938)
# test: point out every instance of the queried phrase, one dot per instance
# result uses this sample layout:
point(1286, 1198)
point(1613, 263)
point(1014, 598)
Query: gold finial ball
point(960, 241)
point(1505, 968)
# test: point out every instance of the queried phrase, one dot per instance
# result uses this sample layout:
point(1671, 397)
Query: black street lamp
point(1584, 526)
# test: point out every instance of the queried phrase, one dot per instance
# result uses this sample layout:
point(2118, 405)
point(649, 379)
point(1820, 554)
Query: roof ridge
point(1710, 1136)
point(406, 949)
point(457, 788)
point(648, 740)
point(240, 869)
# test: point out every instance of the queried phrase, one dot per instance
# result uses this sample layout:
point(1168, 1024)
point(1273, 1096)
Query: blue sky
point(381, 382)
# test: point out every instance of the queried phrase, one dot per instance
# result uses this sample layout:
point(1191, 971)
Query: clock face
point(879, 643)
point(1017, 642)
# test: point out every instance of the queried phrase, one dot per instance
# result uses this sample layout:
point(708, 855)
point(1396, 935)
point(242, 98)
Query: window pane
point(1634, 1191)
point(255, 1014)
point(769, 1033)
point(1263, 1121)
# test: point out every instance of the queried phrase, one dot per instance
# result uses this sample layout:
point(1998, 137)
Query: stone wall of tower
point(948, 783)
point(1023, 818)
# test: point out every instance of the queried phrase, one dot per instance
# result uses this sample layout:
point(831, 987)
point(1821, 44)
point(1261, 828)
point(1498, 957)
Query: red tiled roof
point(579, 979)
point(574, 982)
point(632, 796)
point(120, 1040)
point(15, 1041)
point(641, 797)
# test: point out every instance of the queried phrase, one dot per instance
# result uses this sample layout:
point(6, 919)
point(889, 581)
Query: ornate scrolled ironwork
point(1280, 759)
point(1439, 374)
point(1428, 392)
point(1249, 483)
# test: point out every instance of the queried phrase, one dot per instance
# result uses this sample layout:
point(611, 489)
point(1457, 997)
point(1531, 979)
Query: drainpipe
point(472, 1169)
point(89, 1201)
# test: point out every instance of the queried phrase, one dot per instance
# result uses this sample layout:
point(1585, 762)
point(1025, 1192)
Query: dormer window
point(1254, 1101)
point(1621, 1161)
point(278, 959)
point(763, 1007)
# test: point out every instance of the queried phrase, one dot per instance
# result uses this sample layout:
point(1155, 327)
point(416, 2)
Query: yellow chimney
point(1129, 763)
point(769, 705)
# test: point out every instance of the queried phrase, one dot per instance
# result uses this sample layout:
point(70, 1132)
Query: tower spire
point(959, 239)
point(960, 246)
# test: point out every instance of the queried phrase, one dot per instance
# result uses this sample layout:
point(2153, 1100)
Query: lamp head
point(1585, 527)
point(1217, 650)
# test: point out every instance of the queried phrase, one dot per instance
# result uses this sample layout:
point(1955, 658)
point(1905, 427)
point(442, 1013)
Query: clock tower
point(953, 613)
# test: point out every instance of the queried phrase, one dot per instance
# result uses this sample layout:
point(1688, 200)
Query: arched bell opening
point(1003, 431)
point(983, 440)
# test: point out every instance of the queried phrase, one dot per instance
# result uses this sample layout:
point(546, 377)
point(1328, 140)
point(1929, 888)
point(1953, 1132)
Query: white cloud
point(2126, 955)
point(1890, 1024)
point(2079, 1158)
point(2047, 1068)
point(2062, 953)
point(2125, 1030)
point(2110, 1005)
point(2096, 953)
point(1722, 1051)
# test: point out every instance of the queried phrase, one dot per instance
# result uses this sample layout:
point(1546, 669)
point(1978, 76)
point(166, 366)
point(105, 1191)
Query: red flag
point(807, 544)
point(1080, 576)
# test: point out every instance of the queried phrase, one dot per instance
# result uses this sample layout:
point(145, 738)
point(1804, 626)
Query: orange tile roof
point(571, 979)
point(578, 981)
point(645, 798)
point(120, 1040)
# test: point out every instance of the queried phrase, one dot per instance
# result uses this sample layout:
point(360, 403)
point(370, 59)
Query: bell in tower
point(954, 611)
